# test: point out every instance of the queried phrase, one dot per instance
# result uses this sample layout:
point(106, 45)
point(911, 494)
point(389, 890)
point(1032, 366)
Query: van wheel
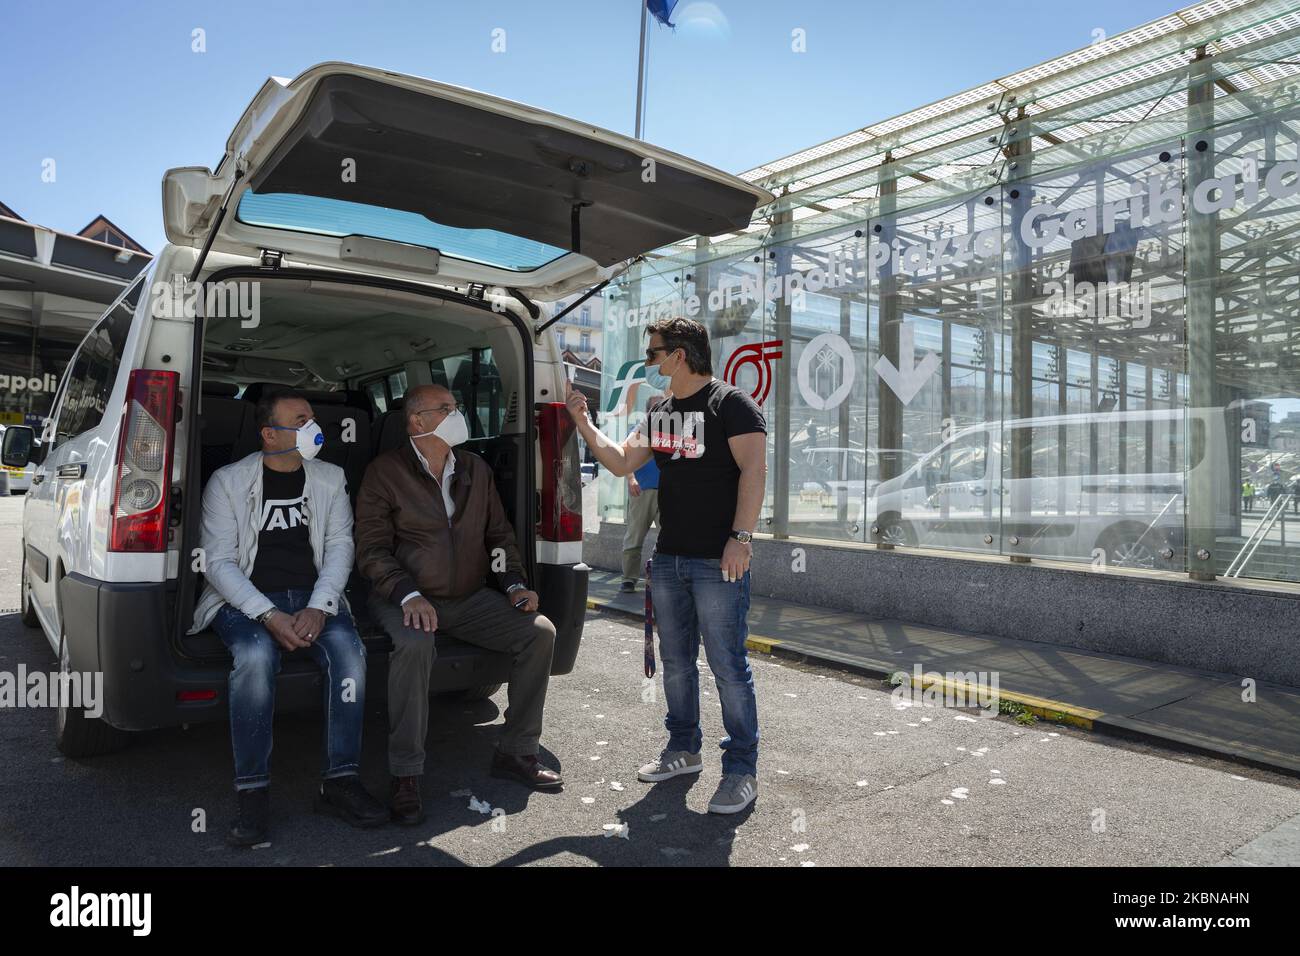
point(1130, 546)
point(482, 692)
point(77, 735)
point(28, 615)
point(894, 530)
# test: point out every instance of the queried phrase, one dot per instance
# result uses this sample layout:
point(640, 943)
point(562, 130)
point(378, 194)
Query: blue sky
point(115, 95)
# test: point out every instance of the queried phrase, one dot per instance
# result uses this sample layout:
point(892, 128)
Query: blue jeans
point(341, 656)
point(691, 599)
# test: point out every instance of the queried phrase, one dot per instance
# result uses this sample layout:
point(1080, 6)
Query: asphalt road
point(845, 779)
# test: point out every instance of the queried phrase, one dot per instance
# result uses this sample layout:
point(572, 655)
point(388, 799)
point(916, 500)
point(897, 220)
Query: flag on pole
point(661, 10)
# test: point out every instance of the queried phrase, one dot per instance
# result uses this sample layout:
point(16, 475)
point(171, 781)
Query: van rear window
point(337, 217)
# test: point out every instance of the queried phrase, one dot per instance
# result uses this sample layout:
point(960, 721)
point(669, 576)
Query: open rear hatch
point(401, 176)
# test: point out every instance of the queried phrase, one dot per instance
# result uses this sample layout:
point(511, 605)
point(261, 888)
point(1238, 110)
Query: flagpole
point(640, 71)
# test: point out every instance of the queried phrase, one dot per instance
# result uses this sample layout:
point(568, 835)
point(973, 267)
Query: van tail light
point(561, 512)
point(138, 521)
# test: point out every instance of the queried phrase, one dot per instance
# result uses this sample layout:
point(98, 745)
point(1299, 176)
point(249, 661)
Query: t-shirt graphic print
point(698, 476)
point(284, 557)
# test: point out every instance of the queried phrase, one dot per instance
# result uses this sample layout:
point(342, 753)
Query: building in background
point(53, 287)
point(1053, 320)
point(579, 337)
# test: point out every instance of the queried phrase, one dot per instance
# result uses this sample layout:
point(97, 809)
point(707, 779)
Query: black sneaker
point(345, 797)
point(627, 587)
point(250, 827)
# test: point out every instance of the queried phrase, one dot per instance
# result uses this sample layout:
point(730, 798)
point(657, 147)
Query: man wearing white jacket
point(277, 542)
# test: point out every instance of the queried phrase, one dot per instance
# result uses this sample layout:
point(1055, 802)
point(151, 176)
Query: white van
point(14, 481)
point(1107, 486)
point(364, 232)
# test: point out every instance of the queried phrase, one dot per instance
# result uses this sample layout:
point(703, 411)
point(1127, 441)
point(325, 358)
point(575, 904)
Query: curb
point(1056, 711)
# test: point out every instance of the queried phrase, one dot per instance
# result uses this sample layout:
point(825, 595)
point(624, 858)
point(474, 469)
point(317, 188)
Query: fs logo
point(624, 390)
point(760, 355)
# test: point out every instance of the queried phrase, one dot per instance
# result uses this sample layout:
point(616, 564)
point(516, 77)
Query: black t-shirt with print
point(698, 477)
point(284, 558)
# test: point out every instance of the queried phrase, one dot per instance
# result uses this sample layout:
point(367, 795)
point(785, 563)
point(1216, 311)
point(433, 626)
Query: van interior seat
point(224, 423)
point(390, 427)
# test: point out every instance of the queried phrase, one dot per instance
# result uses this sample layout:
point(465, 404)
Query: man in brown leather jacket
point(430, 527)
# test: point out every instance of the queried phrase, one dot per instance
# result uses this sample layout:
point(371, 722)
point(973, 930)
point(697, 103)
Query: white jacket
point(232, 504)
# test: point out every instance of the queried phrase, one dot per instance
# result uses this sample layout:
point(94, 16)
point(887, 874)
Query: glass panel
point(1090, 450)
point(935, 363)
point(1252, 460)
point(813, 346)
point(646, 293)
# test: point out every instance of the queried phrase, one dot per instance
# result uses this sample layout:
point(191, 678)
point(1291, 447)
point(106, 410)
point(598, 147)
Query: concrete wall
point(1234, 628)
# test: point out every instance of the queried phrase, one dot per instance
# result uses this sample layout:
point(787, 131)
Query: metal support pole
point(640, 71)
point(1021, 315)
point(782, 227)
point(1202, 264)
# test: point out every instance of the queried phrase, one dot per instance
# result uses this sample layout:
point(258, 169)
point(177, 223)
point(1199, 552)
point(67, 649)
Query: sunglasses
point(650, 352)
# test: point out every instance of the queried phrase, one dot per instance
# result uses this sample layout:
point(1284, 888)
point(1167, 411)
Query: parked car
point(427, 265)
point(1106, 485)
point(845, 475)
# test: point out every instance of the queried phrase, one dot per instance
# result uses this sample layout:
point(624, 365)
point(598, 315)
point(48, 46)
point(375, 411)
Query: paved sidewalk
point(1124, 696)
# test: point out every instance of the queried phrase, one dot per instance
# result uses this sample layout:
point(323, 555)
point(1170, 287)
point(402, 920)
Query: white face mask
point(308, 440)
point(453, 430)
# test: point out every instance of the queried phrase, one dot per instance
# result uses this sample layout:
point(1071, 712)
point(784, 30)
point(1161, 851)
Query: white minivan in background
point(365, 232)
point(1106, 487)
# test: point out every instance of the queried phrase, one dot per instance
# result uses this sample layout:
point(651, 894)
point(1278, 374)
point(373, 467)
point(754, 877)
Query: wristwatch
point(516, 587)
point(744, 537)
point(266, 615)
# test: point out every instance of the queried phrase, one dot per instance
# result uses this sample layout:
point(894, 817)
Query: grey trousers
point(641, 511)
point(485, 618)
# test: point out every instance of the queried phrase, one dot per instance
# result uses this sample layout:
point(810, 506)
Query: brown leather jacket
point(405, 542)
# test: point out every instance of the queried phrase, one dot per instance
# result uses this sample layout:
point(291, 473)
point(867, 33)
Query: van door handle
point(38, 478)
point(77, 470)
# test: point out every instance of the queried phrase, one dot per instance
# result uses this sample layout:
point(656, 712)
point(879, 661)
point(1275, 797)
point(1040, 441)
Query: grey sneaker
point(671, 763)
point(735, 792)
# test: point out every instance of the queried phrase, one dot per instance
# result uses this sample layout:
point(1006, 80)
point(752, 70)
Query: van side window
point(397, 384)
point(94, 370)
point(473, 378)
point(378, 396)
point(964, 460)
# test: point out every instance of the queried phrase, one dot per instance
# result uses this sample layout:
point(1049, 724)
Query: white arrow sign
point(907, 383)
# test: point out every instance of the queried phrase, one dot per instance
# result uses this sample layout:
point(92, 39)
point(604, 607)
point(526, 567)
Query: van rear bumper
point(124, 631)
point(563, 592)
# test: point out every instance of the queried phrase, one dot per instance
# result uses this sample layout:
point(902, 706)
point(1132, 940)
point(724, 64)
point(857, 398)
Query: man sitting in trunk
point(430, 527)
point(277, 539)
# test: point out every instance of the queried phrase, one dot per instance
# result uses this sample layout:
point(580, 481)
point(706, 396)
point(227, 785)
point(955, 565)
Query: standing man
point(709, 440)
point(430, 528)
point(277, 540)
point(642, 511)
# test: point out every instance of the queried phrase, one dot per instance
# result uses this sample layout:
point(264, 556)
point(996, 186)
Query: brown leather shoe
point(526, 769)
point(405, 805)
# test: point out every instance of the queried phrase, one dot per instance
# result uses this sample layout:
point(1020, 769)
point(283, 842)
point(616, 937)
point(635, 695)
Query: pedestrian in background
point(642, 511)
